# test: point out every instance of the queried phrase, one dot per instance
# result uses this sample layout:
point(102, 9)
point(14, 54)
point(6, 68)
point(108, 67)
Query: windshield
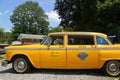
point(44, 39)
point(48, 42)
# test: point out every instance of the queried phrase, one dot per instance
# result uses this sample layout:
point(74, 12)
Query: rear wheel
point(112, 68)
point(21, 64)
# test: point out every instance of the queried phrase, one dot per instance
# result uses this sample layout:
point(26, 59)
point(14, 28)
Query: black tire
point(112, 68)
point(21, 64)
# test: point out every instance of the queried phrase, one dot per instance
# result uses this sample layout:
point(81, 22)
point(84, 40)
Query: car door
point(54, 53)
point(81, 52)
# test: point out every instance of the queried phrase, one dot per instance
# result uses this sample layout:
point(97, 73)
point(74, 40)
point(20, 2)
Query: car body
point(67, 50)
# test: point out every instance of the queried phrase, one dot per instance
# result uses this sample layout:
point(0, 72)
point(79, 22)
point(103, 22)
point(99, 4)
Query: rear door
point(81, 52)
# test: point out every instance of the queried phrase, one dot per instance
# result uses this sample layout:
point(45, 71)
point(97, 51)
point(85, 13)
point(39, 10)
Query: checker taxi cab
point(67, 50)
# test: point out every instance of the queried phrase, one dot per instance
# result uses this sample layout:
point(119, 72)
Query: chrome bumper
point(4, 63)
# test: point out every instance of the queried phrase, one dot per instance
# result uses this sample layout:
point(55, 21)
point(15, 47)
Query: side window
point(55, 40)
point(101, 41)
point(80, 40)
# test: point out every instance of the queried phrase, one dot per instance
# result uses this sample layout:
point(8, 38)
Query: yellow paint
point(74, 62)
point(65, 56)
point(53, 58)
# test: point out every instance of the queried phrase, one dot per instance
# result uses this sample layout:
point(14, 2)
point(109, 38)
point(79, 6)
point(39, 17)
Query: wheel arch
point(108, 61)
point(107, 71)
point(21, 54)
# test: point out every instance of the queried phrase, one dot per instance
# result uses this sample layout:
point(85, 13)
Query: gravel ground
point(6, 73)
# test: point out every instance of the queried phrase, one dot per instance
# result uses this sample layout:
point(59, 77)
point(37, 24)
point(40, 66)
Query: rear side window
point(101, 41)
point(80, 40)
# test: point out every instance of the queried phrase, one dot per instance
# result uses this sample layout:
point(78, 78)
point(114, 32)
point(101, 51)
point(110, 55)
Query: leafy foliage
point(89, 15)
point(56, 29)
point(1, 57)
point(29, 18)
point(77, 14)
point(5, 37)
point(8, 38)
point(108, 14)
point(2, 33)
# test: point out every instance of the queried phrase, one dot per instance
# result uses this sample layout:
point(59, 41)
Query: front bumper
point(4, 63)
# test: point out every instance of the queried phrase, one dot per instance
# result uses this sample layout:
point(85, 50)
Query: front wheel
point(21, 64)
point(112, 68)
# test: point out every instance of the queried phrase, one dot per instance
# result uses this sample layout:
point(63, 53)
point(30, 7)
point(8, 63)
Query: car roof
point(79, 33)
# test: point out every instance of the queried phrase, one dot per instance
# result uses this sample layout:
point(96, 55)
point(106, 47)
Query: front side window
point(80, 40)
point(54, 40)
point(101, 41)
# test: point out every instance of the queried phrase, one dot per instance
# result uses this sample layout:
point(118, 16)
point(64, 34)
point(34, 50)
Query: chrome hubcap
point(113, 67)
point(21, 65)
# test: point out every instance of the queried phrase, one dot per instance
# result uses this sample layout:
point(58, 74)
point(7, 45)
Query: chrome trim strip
point(93, 48)
point(57, 48)
point(62, 49)
point(82, 49)
point(25, 49)
point(35, 49)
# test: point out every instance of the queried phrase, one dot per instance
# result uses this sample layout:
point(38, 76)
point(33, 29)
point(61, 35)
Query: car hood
point(24, 46)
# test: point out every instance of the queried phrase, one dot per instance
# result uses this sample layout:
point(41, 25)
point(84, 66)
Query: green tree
point(8, 37)
point(77, 14)
point(2, 33)
point(108, 13)
point(56, 29)
point(29, 18)
point(89, 15)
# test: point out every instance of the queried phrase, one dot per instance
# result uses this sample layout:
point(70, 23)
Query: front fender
point(34, 59)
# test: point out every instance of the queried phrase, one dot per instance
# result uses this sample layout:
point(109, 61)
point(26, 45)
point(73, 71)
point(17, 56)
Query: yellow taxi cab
point(67, 50)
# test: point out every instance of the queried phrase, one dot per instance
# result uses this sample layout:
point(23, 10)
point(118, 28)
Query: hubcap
point(21, 65)
point(113, 67)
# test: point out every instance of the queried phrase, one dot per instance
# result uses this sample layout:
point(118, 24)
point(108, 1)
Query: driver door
point(54, 53)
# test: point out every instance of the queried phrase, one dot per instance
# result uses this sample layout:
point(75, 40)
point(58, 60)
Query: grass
point(110, 78)
point(1, 58)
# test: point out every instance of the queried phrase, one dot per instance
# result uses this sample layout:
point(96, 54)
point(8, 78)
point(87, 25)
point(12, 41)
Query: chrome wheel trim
point(20, 65)
point(113, 68)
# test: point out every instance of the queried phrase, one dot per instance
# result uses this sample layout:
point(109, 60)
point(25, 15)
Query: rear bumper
point(4, 63)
